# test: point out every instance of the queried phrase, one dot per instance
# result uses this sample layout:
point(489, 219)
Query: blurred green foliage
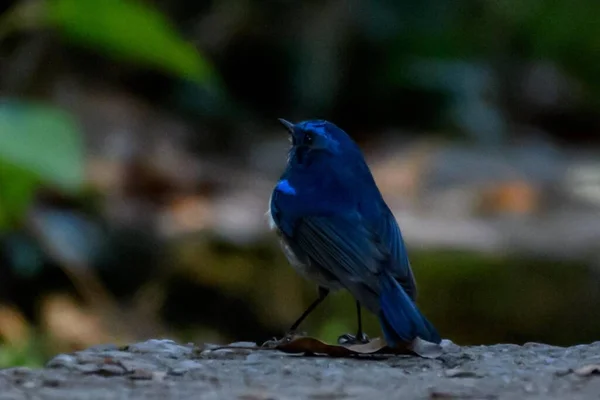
point(475, 298)
point(32, 354)
point(44, 141)
point(123, 29)
point(127, 30)
point(38, 144)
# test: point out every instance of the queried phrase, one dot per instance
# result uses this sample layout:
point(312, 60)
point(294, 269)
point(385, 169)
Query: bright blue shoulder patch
point(285, 187)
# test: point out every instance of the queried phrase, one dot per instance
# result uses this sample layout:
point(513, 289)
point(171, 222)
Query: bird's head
point(318, 137)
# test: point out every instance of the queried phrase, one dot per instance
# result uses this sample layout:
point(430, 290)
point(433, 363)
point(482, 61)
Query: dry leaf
point(377, 346)
point(426, 349)
point(587, 370)
point(460, 373)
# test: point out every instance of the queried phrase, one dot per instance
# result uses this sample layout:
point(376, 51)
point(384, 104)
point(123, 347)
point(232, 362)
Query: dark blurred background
point(139, 145)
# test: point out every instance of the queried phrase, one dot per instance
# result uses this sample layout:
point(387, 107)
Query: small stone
point(159, 376)
point(230, 351)
point(88, 358)
point(117, 354)
point(111, 370)
point(449, 347)
point(164, 347)
point(62, 360)
point(184, 367)
point(426, 349)
point(87, 368)
point(141, 374)
point(563, 371)
point(132, 365)
point(144, 374)
point(460, 373)
point(29, 384)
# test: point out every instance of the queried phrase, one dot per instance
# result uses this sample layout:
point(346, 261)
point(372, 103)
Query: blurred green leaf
point(17, 187)
point(332, 329)
point(30, 354)
point(127, 29)
point(41, 142)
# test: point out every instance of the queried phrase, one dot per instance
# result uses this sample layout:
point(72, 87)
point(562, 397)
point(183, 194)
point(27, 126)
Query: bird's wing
point(344, 247)
point(388, 232)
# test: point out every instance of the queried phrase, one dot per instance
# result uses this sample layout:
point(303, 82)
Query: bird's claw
point(348, 339)
point(271, 343)
point(291, 334)
point(285, 339)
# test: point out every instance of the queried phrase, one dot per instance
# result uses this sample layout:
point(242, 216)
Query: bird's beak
point(288, 125)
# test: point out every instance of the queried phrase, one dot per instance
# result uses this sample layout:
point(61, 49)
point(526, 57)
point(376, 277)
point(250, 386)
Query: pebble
point(110, 369)
point(29, 384)
point(144, 374)
point(185, 366)
point(460, 373)
point(449, 346)
point(62, 360)
point(132, 365)
point(117, 354)
point(87, 368)
point(164, 347)
point(84, 357)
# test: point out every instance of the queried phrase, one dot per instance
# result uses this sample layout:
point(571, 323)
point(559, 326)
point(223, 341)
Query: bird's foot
point(285, 339)
point(290, 334)
point(348, 339)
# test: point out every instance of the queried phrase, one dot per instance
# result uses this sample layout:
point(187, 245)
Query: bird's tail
point(400, 318)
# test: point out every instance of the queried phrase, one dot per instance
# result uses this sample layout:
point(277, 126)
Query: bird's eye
point(308, 138)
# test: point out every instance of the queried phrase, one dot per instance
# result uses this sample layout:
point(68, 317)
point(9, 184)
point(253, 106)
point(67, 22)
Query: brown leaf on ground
point(377, 346)
point(587, 370)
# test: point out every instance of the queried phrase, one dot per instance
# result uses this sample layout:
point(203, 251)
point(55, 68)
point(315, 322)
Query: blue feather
point(400, 319)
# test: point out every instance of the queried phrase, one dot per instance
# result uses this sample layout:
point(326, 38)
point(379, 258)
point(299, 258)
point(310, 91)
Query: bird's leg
point(361, 337)
point(323, 292)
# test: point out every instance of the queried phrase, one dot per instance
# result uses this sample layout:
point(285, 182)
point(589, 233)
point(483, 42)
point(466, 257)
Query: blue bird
point(336, 230)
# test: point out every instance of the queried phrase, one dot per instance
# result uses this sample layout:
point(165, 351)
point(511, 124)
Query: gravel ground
point(162, 369)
